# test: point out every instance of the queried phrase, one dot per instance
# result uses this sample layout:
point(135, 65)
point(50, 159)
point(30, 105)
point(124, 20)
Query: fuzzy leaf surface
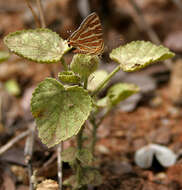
point(40, 45)
point(84, 64)
point(120, 92)
point(59, 111)
point(85, 156)
point(138, 54)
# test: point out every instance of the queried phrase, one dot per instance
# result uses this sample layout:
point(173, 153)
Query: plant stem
point(34, 14)
point(59, 164)
point(106, 80)
point(80, 134)
point(85, 83)
point(79, 139)
point(64, 64)
point(94, 135)
point(41, 13)
point(95, 127)
point(28, 151)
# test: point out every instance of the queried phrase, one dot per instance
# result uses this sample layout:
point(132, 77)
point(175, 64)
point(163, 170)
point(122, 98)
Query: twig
point(34, 14)
point(79, 138)
point(85, 83)
point(66, 68)
point(59, 164)
point(7, 146)
point(41, 13)
point(143, 23)
point(178, 4)
point(28, 156)
point(0, 110)
point(99, 87)
point(146, 27)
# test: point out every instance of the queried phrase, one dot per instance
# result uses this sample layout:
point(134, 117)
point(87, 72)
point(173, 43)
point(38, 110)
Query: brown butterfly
point(87, 39)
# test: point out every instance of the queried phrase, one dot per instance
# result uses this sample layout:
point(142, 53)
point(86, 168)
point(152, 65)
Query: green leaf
point(72, 182)
point(95, 79)
point(84, 64)
point(86, 176)
point(120, 92)
point(40, 45)
point(59, 111)
point(91, 176)
point(138, 54)
point(85, 156)
point(69, 155)
point(13, 87)
point(4, 55)
point(68, 77)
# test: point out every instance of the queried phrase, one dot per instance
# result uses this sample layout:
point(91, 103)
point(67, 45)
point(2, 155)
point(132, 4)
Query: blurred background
point(152, 116)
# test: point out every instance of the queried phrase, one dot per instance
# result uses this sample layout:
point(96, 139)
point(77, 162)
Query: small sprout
point(60, 111)
point(144, 156)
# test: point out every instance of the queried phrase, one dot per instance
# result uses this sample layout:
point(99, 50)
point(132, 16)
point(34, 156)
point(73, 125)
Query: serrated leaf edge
point(36, 91)
point(33, 30)
point(170, 55)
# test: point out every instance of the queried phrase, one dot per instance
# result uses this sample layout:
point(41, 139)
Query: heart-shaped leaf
point(59, 111)
point(40, 45)
point(138, 54)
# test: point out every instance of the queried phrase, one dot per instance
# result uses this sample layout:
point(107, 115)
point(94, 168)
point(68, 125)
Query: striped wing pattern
point(87, 39)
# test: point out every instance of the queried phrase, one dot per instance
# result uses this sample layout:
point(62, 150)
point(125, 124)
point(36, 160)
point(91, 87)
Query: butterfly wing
point(87, 39)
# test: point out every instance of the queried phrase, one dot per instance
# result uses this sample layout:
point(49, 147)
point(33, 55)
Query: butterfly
point(87, 39)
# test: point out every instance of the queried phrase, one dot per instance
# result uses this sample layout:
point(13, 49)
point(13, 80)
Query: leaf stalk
point(105, 80)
